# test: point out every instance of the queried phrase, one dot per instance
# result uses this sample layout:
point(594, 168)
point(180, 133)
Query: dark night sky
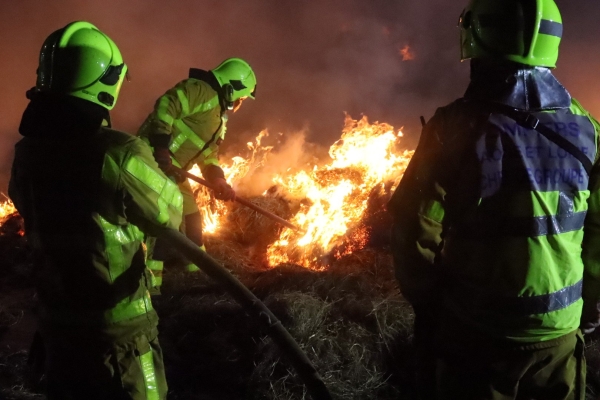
point(314, 59)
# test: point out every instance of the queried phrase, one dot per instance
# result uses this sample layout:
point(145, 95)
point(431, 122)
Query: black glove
point(222, 190)
point(160, 143)
point(590, 317)
point(162, 155)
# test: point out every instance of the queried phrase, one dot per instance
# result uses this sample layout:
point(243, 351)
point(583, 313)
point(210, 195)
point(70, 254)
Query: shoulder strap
point(212, 139)
point(529, 121)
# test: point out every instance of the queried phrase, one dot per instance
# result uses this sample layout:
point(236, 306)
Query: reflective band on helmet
point(551, 28)
point(168, 192)
point(530, 227)
point(185, 133)
point(147, 362)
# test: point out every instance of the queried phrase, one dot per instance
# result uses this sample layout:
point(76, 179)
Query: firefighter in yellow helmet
point(187, 126)
point(497, 219)
point(88, 195)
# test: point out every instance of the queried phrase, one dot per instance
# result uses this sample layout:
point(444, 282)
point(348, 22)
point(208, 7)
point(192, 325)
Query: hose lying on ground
point(306, 371)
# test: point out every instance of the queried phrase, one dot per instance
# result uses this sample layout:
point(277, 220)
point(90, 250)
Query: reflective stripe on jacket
point(511, 207)
point(85, 217)
point(191, 113)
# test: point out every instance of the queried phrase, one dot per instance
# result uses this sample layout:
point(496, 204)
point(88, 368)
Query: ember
point(406, 53)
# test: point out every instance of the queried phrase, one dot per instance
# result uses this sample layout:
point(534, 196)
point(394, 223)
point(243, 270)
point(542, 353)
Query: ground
point(350, 320)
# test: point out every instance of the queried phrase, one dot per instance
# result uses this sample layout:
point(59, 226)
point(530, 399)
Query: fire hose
point(256, 308)
point(240, 200)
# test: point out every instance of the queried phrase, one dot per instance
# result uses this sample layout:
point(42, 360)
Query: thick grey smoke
point(314, 60)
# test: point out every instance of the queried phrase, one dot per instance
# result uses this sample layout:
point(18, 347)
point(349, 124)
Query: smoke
point(279, 154)
point(314, 60)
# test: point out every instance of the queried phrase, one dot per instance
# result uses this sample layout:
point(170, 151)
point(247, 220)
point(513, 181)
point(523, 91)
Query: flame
point(406, 53)
point(332, 197)
point(330, 200)
point(238, 168)
point(338, 193)
point(7, 211)
point(7, 208)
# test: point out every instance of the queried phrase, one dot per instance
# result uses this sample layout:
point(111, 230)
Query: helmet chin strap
point(227, 91)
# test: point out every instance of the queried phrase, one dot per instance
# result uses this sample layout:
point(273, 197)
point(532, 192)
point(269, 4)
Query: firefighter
point(186, 127)
point(88, 194)
point(497, 219)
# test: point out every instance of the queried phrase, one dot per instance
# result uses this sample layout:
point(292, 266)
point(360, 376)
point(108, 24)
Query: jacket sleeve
point(418, 210)
point(591, 236)
point(152, 201)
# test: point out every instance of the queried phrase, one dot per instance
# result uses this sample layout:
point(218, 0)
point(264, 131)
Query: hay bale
point(246, 226)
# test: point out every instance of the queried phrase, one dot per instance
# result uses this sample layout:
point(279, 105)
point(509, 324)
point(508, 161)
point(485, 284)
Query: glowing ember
point(407, 53)
point(7, 208)
point(331, 199)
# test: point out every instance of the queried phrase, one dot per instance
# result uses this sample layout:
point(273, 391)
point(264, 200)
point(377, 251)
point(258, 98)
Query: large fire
point(332, 197)
point(329, 200)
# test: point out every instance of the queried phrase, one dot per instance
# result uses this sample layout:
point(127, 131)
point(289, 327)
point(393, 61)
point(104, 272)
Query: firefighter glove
point(163, 158)
point(223, 191)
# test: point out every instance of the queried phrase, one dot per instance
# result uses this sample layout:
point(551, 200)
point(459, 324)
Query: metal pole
point(239, 200)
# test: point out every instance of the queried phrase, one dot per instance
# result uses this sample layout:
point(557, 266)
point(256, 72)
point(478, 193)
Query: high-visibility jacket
point(87, 199)
point(490, 218)
point(191, 114)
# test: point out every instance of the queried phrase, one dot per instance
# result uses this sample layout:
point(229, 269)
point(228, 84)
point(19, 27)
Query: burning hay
point(328, 202)
point(248, 227)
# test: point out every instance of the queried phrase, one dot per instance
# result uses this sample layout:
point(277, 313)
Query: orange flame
point(6, 208)
point(337, 193)
point(332, 198)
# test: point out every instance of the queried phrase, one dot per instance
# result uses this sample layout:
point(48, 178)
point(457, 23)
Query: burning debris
point(11, 224)
point(337, 205)
point(328, 202)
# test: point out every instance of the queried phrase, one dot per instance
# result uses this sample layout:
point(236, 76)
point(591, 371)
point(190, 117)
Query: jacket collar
point(517, 86)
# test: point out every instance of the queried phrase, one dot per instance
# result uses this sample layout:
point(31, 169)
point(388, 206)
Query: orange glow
point(6, 208)
point(328, 201)
point(407, 53)
point(332, 198)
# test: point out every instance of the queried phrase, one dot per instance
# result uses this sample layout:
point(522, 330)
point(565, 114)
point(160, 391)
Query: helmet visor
point(112, 74)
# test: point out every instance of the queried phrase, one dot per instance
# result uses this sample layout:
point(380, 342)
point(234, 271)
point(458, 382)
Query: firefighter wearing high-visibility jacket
point(88, 195)
point(497, 219)
point(187, 126)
